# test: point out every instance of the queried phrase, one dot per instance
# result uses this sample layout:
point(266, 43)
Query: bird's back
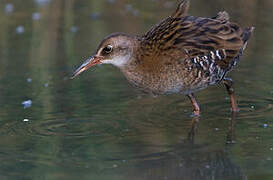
point(186, 53)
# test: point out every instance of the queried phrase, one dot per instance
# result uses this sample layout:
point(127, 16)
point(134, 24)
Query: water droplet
point(26, 120)
point(252, 107)
point(265, 125)
point(216, 129)
point(46, 84)
point(115, 165)
point(207, 166)
point(36, 16)
point(29, 80)
point(27, 104)
point(20, 30)
point(42, 2)
point(74, 29)
point(95, 16)
point(9, 8)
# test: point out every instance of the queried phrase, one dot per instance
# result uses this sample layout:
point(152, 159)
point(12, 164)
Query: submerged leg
point(228, 83)
point(194, 127)
point(196, 109)
point(231, 130)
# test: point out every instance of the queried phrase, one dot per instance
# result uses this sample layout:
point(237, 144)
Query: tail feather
point(247, 33)
point(245, 37)
point(222, 16)
point(182, 9)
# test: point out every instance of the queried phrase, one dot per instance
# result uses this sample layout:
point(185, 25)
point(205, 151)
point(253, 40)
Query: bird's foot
point(235, 110)
point(195, 114)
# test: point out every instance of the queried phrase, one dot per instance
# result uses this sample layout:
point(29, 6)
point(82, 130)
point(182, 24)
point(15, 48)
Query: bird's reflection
point(230, 134)
point(194, 128)
point(231, 129)
point(189, 160)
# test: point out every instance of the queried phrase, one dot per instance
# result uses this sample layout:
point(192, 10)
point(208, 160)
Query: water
point(99, 127)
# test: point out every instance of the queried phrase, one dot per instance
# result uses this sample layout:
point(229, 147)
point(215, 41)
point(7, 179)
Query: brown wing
point(204, 35)
point(198, 36)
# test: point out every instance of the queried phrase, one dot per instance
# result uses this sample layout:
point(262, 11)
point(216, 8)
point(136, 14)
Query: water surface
point(99, 127)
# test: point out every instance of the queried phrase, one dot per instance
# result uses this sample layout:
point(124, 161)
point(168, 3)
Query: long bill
point(90, 62)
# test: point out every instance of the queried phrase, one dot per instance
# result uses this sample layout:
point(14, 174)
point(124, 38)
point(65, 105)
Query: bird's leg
point(228, 83)
point(231, 131)
point(194, 127)
point(196, 109)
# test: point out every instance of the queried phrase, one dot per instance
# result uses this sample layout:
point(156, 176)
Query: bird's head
point(116, 49)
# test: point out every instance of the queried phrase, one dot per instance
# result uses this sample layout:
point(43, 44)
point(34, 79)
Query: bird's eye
point(108, 49)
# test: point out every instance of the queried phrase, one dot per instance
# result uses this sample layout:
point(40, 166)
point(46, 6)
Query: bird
point(182, 54)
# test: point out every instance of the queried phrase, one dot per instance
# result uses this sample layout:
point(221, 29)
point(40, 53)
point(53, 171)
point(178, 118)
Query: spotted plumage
point(182, 54)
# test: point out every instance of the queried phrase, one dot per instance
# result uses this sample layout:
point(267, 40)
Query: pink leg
point(196, 109)
point(228, 83)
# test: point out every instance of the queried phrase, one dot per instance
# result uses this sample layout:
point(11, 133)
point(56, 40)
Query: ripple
point(256, 108)
point(251, 106)
point(68, 128)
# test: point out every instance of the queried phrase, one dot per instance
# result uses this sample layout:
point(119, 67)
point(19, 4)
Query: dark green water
point(99, 127)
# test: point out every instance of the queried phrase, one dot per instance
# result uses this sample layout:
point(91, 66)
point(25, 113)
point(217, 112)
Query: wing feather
point(197, 36)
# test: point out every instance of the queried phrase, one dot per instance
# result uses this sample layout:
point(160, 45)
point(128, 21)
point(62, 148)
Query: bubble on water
point(265, 125)
point(42, 2)
point(74, 29)
point(9, 8)
point(252, 107)
point(271, 149)
point(115, 165)
point(20, 30)
point(29, 80)
point(95, 16)
point(36, 16)
point(26, 120)
point(216, 129)
point(27, 104)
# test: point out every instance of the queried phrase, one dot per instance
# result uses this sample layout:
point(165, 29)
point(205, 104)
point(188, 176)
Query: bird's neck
point(138, 69)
